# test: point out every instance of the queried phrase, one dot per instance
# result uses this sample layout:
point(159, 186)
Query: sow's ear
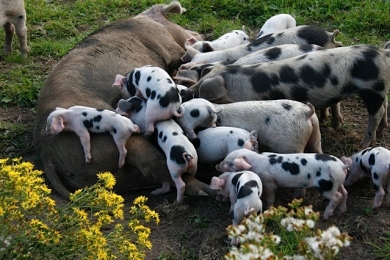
point(57, 125)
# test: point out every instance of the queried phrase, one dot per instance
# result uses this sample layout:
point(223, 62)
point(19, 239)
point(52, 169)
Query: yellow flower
point(81, 214)
point(108, 179)
point(140, 200)
point(2, 212)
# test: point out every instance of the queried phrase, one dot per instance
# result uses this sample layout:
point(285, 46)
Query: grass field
point(55, 26)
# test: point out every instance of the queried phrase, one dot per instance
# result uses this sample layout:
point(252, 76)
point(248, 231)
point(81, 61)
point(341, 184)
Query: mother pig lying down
point(83, 77)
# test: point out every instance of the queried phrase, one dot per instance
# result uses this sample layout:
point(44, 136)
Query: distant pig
point(157, 87)
point(374, 163)
point(199, 113)
point(82, 120)
point(214, 144)
point(244, 189)
point(317, 77)
point(325, 172)
point(226, 41)
point(276, 23)
point(304, 34)
point(134, 108)
point(283, 126)
point(13, 19)
point(180, 153)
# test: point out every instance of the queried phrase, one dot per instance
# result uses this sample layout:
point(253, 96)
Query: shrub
point(89, 226)
point(296, 237)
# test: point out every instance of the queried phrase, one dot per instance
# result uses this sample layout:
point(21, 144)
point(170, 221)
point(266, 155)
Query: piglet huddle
point(248, 108)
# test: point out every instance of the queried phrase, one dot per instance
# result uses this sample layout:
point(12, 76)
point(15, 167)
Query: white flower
point(310, 223)
point(276, 239)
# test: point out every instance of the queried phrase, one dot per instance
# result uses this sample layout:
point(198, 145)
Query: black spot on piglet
point(235, 178)
point(325, 185)
point(371, 159)
point(176, 154)
point(195, 113)
point(293, 168)
point(324, 157)
point(244, 192)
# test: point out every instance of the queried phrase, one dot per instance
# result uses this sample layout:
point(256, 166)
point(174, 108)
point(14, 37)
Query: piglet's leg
point(9, 29)
point(342, 207)
point(166, 187)
point(120, 144)
point(379, 194)
point(334, 200)
point(86, 143)
point(180, 187)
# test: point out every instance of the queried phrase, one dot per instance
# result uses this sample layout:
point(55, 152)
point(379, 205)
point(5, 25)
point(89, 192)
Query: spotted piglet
point(82, 120)
point(374, 163)
point(244, 190)
point(276, 23)
point(134, 108)
point(325, 172)
point(181, 155)
point(162, 96)
point(214, 144)
point(198, 113)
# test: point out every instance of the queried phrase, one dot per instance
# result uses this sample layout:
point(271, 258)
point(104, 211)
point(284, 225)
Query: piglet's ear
point(216, 183)
point(57, 125)
point(241, 164)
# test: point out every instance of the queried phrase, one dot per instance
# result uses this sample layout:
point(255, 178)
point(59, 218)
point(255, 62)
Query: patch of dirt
point(197, 229)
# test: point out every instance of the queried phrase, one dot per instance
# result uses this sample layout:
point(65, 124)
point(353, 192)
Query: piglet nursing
point(156, 86)
point(180, 153)
point(82, 120)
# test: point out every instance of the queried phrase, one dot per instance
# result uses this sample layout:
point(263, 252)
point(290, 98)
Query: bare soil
point(197, 229)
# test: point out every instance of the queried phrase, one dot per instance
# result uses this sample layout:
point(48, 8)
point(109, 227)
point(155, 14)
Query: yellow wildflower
point(108, 179)
point(140, 200)
point(2, 212)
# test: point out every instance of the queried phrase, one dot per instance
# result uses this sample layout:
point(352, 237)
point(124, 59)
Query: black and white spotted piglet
point(133, 108)
point(198, 113)
point(180, 153)
point(162, 96)
point(213, 144)
point(82, 120)
point(244, 189)
point(374, 163)
point(325, 172)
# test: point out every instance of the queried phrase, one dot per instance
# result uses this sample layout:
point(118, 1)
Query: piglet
point(276, 23)
point(214, 144)
point(82, 120)
point(244, 189)
point(13, 19)
point(162, 96)
point(199, 113)
point(325, 172)
point(180, 153)
point(374, 163)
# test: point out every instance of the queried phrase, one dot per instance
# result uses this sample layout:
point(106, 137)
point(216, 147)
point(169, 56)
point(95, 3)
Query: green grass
point(55, 26)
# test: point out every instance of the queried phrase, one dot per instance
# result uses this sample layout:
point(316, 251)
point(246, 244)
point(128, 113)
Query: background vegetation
point(55, 26)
